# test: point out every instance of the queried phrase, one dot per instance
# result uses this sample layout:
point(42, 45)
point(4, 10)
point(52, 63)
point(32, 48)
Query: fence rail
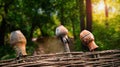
point(109, 58)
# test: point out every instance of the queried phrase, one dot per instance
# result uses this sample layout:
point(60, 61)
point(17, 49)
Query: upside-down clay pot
point(18, 42)
point(88, 39)
point(61, 31)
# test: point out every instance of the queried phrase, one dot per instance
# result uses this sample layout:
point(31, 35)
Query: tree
point(82, 14)
point(89, 15)
point(106, 14)
point(3, 27)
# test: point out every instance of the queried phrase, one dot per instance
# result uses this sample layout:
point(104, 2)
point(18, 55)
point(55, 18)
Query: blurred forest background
point(39, 18)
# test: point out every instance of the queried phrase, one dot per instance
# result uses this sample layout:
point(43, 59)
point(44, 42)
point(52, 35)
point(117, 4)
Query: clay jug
point(88, 39)
point(18, 42)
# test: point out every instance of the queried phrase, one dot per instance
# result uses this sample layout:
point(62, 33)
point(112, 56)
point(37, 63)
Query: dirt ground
point(46, 45)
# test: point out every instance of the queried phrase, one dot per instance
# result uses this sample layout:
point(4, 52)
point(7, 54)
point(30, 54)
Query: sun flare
point(101, 6)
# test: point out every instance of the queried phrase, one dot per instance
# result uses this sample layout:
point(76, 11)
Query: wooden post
point(61, 32)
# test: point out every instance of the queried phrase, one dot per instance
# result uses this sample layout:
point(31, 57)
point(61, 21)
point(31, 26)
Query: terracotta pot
point(92, 46)
point(61, 31)
point(88, 39)
point(18, 42)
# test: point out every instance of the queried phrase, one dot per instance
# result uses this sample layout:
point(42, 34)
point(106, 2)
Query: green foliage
point(30, 47)
point(107, 37)
point(7, 52)
point(41, 17)
point(78, 44)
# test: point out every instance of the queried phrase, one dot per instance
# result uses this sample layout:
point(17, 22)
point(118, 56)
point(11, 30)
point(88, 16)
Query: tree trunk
point(34, 24)
point(82, 20)
point(73, 27)
point(106, 14)
point(106, 9)
point(89, 15)
point(32, 31)
point(62, 14)
point(2, 31)
point(4, 24)
point(82, 14)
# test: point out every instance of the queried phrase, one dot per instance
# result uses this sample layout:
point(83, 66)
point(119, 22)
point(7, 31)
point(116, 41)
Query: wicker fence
point(107, 58)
